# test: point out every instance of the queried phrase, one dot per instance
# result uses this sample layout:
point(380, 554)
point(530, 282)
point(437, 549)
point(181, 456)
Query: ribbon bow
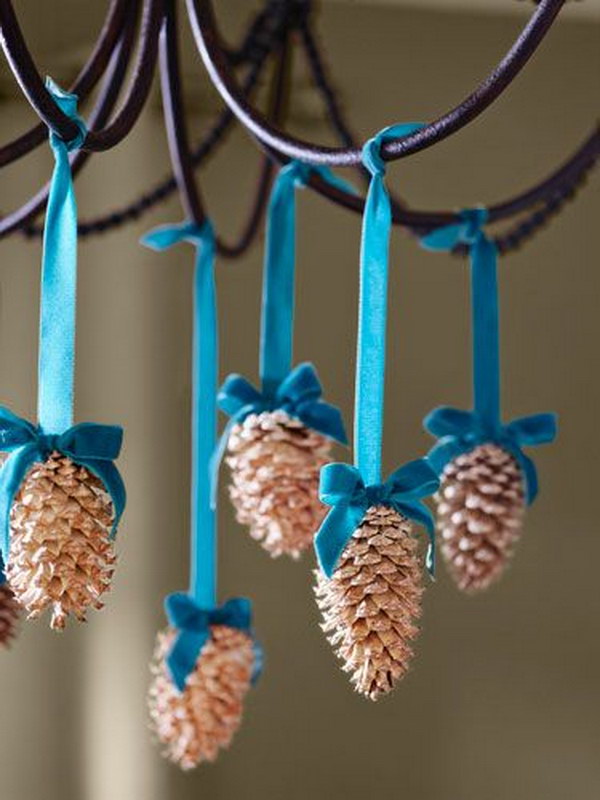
point(460, 431)
point(89, 444)
point(298, 395)
point(343, 488)
point(193, 625)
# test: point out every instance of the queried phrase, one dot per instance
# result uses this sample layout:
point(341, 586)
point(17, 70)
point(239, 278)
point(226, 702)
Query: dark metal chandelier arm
point(139, 86)
point(83, 84)
point(275, 112)
point(102, 110)
point(163, 190)
point(209, 45)
point(174, 115)
point(39, 97)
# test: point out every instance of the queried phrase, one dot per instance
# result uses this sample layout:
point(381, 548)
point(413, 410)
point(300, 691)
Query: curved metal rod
point(422, 221)
point(558, 192)
point(207, 38)
point(173, 110)
point(100, 113)
point(140, 84)
point(275, 113)
point(83, 84)
point(33, 87)
point(260, 49)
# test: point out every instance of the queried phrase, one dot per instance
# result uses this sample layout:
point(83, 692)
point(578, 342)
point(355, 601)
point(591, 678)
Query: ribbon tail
point(182, 658)
point(110, 476)
point(12, 473)
point(334, 534)
point(421, 514)
point(529, 475)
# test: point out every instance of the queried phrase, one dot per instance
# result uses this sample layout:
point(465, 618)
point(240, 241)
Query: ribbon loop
point(204, 389)
point(67, 103)
point(56, 364)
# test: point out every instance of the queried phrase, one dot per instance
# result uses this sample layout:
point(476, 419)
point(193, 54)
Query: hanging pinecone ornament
point(61, 498)
point(202, 672)
point(480, 509)
point(61, 495)
point(370, 583)
point(275, 450)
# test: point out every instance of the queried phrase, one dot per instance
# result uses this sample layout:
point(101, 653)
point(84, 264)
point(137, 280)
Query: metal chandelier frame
point(139, 34)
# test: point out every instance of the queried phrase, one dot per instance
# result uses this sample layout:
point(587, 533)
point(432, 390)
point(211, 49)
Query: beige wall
point(502, 703)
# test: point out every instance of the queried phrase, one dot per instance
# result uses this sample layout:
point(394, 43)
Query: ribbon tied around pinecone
point(298, 395)
point(89, 444)
point(460, 431)
point(193, 624)
point(342, 487)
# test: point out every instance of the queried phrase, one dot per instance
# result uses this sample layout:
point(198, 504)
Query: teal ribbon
point(89, 444)
point(351, 490)
point(192, 614)
point(461, 431)
point(372, 319)
point(296, 391)
point(204, 413)
point(277, 318)
point(56, 364)
point(343, 488)
point(193, 623)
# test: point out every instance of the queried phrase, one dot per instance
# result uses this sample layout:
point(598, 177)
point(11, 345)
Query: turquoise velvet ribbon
point(352, 490)
point(343, 488)
point(297, 391)
point(56, 366)
point(461, 431)
point(91, 445)
point(193, 623)
point(192, 614)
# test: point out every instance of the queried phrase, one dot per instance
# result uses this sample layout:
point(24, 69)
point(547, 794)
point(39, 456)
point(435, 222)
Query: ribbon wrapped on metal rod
point(193, 623)
point(343, 488)
point(89, 444)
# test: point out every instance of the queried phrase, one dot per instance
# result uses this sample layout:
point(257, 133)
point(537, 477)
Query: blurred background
point(502, 702)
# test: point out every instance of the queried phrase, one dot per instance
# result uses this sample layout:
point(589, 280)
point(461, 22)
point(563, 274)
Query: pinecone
point(196, 723)
point(9, 615)
point(275, 462)
point(372, 600)
point(480, 507)
point(61, 554)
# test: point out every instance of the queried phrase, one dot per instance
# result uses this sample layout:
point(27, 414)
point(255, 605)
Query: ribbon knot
point(371, 151)
point(343, 488)
point(468, 231)
point(298, 395)
point(193, 623)
point(67, 103)
point(90, 444)
point(459, 431)
point(165, 236)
